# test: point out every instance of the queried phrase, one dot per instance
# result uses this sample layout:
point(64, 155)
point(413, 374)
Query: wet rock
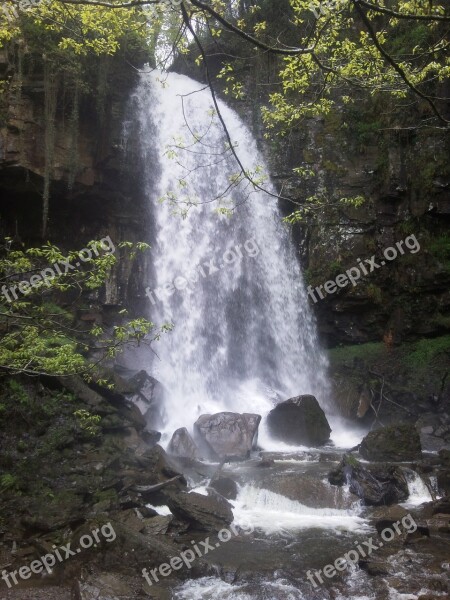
point(183, 445)
point(439, 523)
point(381, 485)
point(309, 491)
point(139, 395)
point(374, 568)
point(299, 421)
point(225, 486)
point(205, 513)
point(227, 436)
point(434, 431)
point(266, 463)
point(151, 437)
point(443, 481)
point(157, 525)
point(102, 586)
point(395, 443)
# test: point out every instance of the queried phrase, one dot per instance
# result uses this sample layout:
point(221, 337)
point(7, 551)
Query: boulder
point(138, 395)
point(225, 486)
point(299, 421)
point(205, 513)
point(395, 443)
point(383, 485)
point(102, 586)
point(434, 431)
point(183, 445)
point(148, 395)
point(227, 435)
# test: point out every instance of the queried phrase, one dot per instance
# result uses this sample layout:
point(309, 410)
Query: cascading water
point(231, 284)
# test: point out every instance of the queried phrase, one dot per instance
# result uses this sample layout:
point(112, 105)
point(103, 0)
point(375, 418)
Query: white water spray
point(244, 337)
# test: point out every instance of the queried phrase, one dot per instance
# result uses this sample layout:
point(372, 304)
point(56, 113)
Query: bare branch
point(397, 15)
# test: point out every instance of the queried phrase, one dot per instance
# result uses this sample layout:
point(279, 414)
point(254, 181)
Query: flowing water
point(244, 338)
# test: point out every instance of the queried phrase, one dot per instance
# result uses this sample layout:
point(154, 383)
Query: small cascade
point(274, 513)
point(417, 488)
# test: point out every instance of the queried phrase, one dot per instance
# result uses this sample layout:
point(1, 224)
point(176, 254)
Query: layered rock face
point(299, 421)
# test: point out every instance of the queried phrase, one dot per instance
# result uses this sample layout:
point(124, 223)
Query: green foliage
point(347, 354)
point(88, 422)
point(427, 351)
point(38, 336)
point(7, 482)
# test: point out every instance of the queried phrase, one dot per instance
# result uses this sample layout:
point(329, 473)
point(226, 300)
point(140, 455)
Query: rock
point(443, 481)
point(148, 395)
point(205, 513)
point(151, 437)
point(227, 435)
point(374, 568)
point(382, 485)
point(225, 486)
point(434, 431)
point(389, 513)
point(439, 523)
point(310, 491)
point(138, 395)
point(102, 586)
point(157, 525)
point(183, 445)
point(395, 443)
point(266, 463)
point(299, 421)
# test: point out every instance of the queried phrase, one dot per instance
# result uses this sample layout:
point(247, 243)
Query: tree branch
point(397, 15)
point(393, 63)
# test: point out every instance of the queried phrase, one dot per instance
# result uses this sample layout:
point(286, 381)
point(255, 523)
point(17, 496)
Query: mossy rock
point(396, 443)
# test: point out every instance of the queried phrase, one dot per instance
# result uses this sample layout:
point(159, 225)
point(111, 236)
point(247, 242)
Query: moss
point(347, 354)
point(426, 351)
point(375, 293)
point(440, 248)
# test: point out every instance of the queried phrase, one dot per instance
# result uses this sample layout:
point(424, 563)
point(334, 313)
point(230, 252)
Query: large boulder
point(183, 445)
point(205, 513)
point(227, 435)
point(395, 443)
point(299, 421)
point(380, 486)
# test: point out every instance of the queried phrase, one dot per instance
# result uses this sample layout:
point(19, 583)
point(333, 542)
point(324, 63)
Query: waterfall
point(225, 273)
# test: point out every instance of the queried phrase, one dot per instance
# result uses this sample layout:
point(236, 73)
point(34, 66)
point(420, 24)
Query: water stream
point(244, 339)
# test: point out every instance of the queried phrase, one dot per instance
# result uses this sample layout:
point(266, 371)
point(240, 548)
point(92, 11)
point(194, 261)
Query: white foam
point(418, 491)
point(274, 513)
point(211, 588)
point(161, 510)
